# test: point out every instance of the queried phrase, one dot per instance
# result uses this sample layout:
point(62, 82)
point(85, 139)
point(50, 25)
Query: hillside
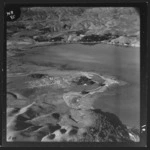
point(112, 25)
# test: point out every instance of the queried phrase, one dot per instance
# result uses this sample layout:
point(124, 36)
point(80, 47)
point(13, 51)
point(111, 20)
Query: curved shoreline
point(68, 97)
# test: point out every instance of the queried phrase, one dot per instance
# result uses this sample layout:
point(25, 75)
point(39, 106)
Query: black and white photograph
point(73, 74)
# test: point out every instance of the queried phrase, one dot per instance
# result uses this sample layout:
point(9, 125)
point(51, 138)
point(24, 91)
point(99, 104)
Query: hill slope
point(112, 25)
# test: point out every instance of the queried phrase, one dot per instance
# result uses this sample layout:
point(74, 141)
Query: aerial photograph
point(73, 74)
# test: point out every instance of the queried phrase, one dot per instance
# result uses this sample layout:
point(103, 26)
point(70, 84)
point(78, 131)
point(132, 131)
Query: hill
point(112, 25)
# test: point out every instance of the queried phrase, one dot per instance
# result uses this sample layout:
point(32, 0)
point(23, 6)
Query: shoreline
point(36, 44)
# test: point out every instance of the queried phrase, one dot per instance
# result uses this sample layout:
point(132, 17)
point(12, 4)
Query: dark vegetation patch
point(110, 125)
point(53, 128)
point(80, 32)
point(102, 84)
point(24, 36)
point(22, 118)
point(112, 118)
point(37, 75)
point(12, 138)
point(44, 38)
point(91, 38)
point(56, 39)
point(102, 134)
point(84, 80)
point(41, 39)
point(52, 136)
point(41, 134)
point(73, 132)
point(21, 125)
point(84, 134)
point(45, 30)
point(96, 38)
point(63, 131)
point(56, 115)
point(84, 92)
point(31, 113)
point(90, 44)
point(93, 130)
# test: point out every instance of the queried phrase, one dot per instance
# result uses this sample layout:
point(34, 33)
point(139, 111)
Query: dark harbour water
point(121, 62)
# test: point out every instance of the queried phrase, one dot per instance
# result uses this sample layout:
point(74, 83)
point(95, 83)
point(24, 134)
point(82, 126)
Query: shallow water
point(121, 62)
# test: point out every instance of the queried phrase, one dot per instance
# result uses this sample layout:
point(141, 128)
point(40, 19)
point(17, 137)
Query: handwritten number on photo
point(12, 13)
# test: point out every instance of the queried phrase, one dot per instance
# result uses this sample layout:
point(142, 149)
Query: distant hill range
point(121, 24)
